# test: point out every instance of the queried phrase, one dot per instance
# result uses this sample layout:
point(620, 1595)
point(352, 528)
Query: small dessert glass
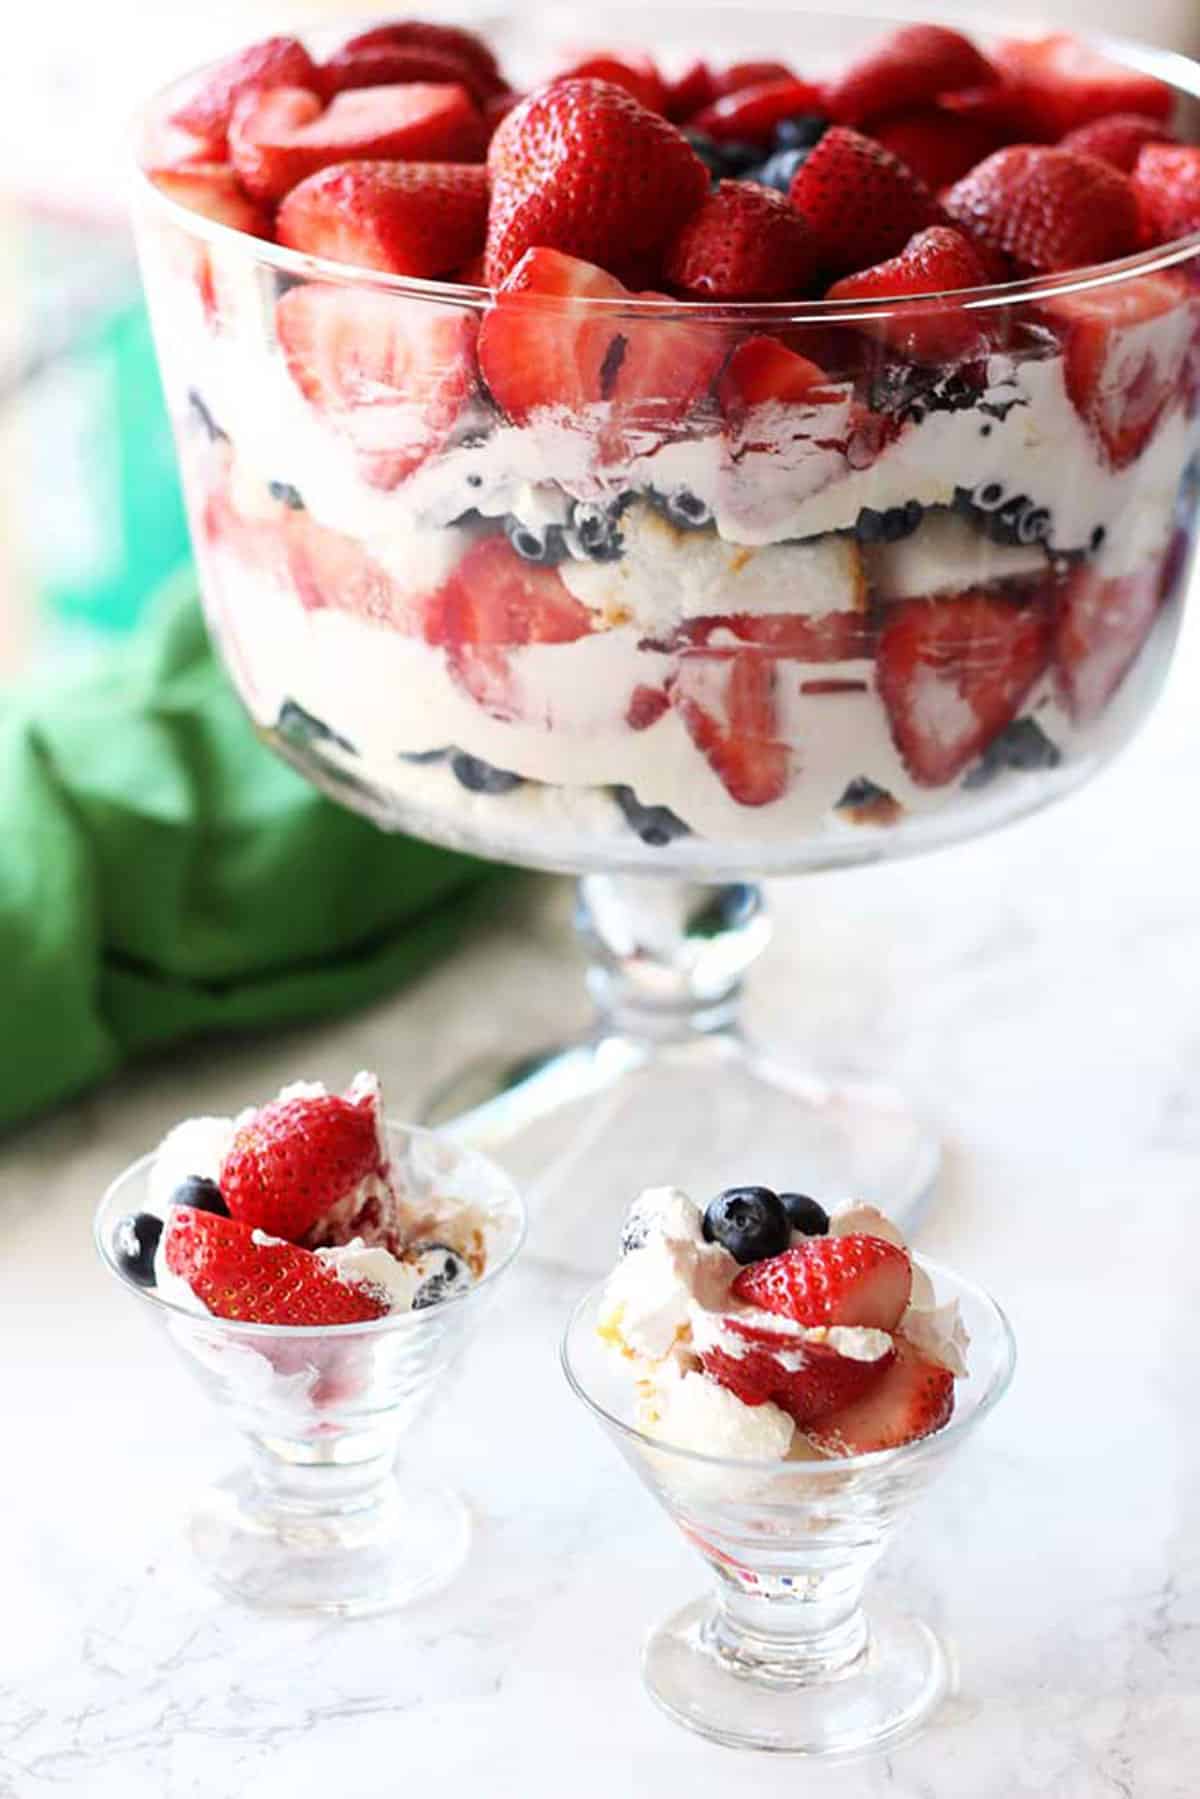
point(317, 1519)
point(781, 1654)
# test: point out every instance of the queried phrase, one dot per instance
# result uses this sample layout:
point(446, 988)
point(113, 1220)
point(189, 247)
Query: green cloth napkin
point(162, 874)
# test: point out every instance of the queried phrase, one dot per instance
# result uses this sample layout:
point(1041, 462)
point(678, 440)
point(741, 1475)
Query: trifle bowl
point(672, 590)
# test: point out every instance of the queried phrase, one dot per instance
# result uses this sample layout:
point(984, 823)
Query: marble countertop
point(1040, 992)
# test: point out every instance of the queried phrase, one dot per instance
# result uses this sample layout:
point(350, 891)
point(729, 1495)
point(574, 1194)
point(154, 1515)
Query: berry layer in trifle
point(657, 463)
point(766, 1328)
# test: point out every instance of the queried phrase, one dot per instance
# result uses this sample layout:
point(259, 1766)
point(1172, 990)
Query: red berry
point(849, 1280)
point(1099, 631)
point(447, 40)
point(261, 1283)
point(763, 371)
point(860, 203)
point(383, 65)
point(1166, 182)
point(1064, 83)
point(276, 62)
point(694, 89)
point(807, 1380)
point(1047, 209)
point(913, 1398)
point(743, 243)
point(750, 114)
point(938, 145)
point(636, 74)
point(912, 66)
point(407, 218)
point(740, 75)
point(937, 262)
point(728, 704)
point(213, 190)
point(1117, 140)
point(295, 1159)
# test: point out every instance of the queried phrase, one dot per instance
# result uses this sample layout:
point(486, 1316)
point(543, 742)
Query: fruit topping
point(744, 242)
point(805, 1214)
point(849, 1280)
point(1166, 181)
point(1023, 748)
point(197, 1190)
point(296, 1159)
point(762, 372)
point(860, 202)
point(636, 74)
point(913, 1398)
point(213, 190)
point(237, 1274)
point(728, 704)
point(938, 262)
point(1117, 140)
point(808, 1380)
point(1063, 83)
point(915, 64)
point(751, 114)
point(750, 1222)
point(405, 218)
point(467, 47)
point(936, 144)
point(689, 93)
point(1099, 630)
point(275, 62)
point(1003, 517)
point(1048, 209)
point(135, 1245)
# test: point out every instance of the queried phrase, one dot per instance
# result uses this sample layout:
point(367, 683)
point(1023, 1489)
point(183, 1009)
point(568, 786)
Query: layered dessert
point(304, 1211)
point(766, 1328)
point(658, 464)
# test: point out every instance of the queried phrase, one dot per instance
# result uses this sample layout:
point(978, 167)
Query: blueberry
point(201, 1194)
point(547, 545)
point(724, 159)
point(685, 509)
point(289, 495)
point(1002, 517)
point(779, 169)
point(750, 1222)
point(596, 529)
point(204, 418)
point(909, 391)
point(801, 131)
point(423, 756)
point(135, 1242)
point(301, 728)
point(445, 1274)
point(478, 776)
point(1022, 746)
point(655, 825)
point(890, 525)
point(805, 1214)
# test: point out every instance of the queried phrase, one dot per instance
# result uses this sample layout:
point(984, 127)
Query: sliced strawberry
point(744, 242)
point(807, 1380)
point(913, 65)
point(1065, 83)
point(392, 375)
point(212, 189)
point(1099, 632)
point(333, 572)
point(850, 1280)
point(646, 706)
point(729, 708)
point(423, 34)
point(953, 672)
point(583, 167)
point(278, 137)
point(295, 1159)
point(1001, 106)
point(498, 108)
point(261, 1283)
point(861, 204)
point(936, 261)
point(762, 372)
point(750, 114)
point(1118, 139)
point(936, 144)
point(636, 74)
point(407, 218)
point(739, 75)
point(275, 62)
point(694, 89)
point(1124, 357)
point(791, 636)
point(1047, 209)
point(913, 1398)
point(1166, 181)
point(387, 65)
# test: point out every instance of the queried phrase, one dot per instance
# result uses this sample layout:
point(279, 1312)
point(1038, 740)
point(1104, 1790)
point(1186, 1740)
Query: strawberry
point(278, 137)
point(582, 167)
point(1122, 363)
point(741, 75)
point(1117, 139)
point(392, 375)
point(1001, 106)
point(936, 261)
point(953, 672)
point(446, 40)
point(762, 372)
point(275, 62)
point(860, 203)
point(407, 218)
point(636, 74)
point(212, 189)
point(1166, 181)
point(744, 242)
point(796, 636)
point(750, 114)
point(543, 345)
point(1064, 83)
point(331, 571)
point(913, 1398)
point(694, 89)
point(808, 1380)
point(261, 1283)
point(938, 145)
point(728, 705)
point(1099, 632)
point(295, 1159)
point(913, 65)
point(850, 1280)
point(1047, 209)
point(383, 65)
point(498, 108)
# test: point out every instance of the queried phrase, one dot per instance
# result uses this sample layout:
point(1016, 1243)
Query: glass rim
point(829, 1467)
point(1179, 71)
point(390, 1321)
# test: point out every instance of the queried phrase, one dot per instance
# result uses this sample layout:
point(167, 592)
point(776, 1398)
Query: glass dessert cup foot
point(317, 1519)
point(782, 1655)
point(666, 1091)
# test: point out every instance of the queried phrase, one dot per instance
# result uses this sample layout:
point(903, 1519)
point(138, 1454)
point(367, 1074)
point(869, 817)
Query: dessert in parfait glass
point(558, 504)
point(787, 1384)
point(318, 1270)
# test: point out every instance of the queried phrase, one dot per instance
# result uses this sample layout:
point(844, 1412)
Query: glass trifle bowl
point(811, 584)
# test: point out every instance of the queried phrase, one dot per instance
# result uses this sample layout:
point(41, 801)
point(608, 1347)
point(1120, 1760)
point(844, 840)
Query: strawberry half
point(447, 40)
point(261, 1283)
point(763, 372)
point(295, 1159)
point(1117, 140)
point(1064, 83)
point(382, 65)
point(936, 261)
point(728, 705)
point(1047, 209)
point(750, 114)
point(1099, 631)
point(936, 144)
point(275, 62)
point(1122, 362)
point(280, 136)
point(695, 89)
point(807, 1380)
point(636, 74)
point(1166, 181)
point(331, 571)
point(392, 375)
point(953, 672)
point(582, 167)
point(913, 1398)
point(213, 190)
point(860, 203)
point(913, 65)
point(406, 218)
point(744, 242)
point(850, 1280)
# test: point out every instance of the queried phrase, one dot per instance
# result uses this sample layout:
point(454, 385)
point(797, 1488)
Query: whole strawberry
point(295, 1159)
point(914, 64)
point(1166, 181)
point(258, 1282)
point(743, 243)
point(860, 203)
point(938, 262)
point(406, 218)
point(1117, 140)
point(582, 167)
point(1048, 209)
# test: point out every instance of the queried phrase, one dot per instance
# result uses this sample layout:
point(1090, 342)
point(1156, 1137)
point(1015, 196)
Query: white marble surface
point(1041, 991)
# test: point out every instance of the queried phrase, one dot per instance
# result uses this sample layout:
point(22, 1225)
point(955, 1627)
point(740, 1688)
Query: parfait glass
point(683, 637)
point(781, 1654)
point(317, 1519)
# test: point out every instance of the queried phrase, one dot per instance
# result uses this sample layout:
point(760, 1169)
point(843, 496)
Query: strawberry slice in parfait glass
point(560, 555)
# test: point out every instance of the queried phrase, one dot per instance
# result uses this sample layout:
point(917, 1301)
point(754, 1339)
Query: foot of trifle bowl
point(666, 1089)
